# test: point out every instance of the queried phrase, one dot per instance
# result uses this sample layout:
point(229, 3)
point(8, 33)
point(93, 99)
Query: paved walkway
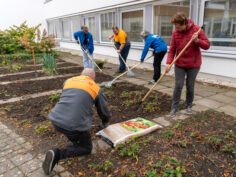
point(16, 161)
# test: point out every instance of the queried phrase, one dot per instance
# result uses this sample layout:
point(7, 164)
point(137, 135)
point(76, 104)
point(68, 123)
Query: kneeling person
point(73, 116)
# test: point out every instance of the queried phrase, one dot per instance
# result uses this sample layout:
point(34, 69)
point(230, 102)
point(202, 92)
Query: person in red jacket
point(189, 62)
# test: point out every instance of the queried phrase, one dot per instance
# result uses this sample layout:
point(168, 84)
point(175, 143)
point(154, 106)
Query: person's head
point(84, 29)
point(115, 30)
point(180, 21)
point(144, 34)
point(88, 72)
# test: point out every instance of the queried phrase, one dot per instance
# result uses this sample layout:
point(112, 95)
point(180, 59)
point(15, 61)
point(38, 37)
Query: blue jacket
point(156, 43)
point(89, 38)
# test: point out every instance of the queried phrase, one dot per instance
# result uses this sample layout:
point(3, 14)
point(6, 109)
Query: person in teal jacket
point(86, 40)
point(159, 50)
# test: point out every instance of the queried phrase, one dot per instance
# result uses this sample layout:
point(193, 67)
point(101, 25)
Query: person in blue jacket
point(84, 37)
point(157, 43)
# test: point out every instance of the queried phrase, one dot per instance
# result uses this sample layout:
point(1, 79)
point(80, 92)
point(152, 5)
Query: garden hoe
point(89, 56)
point(129, 73)
point(173, 62)
point(109, 84)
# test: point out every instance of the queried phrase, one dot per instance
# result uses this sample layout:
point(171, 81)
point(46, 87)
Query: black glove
point(105, 125)
point(77, 42)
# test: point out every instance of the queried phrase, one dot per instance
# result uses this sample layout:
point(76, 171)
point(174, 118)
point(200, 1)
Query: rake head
point(130, 73)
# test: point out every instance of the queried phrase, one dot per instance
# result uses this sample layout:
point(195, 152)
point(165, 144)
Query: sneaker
point(152, 82)
point(172, 113)
point(50, 161)
point(189, 111)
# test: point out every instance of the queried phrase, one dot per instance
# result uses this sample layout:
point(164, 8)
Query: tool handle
point(173, 62)
point(89, 56)
point(121, 56)
point(132, 68)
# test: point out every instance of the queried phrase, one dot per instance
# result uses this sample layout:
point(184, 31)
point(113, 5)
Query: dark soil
point(23, 68)
point(29, 114)
point(29, 87)
point(74, 69)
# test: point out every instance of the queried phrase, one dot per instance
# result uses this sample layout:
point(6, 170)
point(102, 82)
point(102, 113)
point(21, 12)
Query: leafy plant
point(168, 134)
point(105, 165)
point(177, 125)
point(229, 148)
point(131, 148)
point(49, 63)
point(41, 128)
point(183, 143)
point(129, 102)
point(214, 139)
point(55, 97)
point(125, 94)
point(149, 107)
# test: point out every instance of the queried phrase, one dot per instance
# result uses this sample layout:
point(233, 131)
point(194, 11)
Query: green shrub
point(49, 63)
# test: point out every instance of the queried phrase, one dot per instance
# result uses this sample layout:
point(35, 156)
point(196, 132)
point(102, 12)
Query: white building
point(217, 16)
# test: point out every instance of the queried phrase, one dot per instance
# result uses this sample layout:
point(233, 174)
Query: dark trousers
point(81, 143)
point(179, 82)
point(124, 53)
point(158, 57)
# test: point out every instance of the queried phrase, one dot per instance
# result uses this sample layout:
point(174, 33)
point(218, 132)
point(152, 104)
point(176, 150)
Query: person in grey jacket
point(73, 116)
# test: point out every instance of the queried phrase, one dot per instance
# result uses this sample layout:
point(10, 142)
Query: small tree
point(29, 41)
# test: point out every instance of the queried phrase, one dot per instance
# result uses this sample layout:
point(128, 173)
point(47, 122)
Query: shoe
point(189, 111)
point(172, 113)
point(152, 82)
point(50, 161)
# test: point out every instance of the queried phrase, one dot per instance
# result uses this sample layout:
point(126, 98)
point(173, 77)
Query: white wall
point(211, 65)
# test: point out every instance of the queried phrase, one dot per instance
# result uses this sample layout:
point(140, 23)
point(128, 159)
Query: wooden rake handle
point(132, 68)
point(120, 56)
point(173, 62)
point(89, 56)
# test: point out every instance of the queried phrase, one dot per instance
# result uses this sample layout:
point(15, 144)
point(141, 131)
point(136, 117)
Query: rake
point(89, 56)
point(129, 73)
point(109, 84)
point(173, 62)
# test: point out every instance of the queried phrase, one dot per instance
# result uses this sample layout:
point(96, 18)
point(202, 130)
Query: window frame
point(83, 17)
point(160, 3)
point(132, 10)
point(220, 49)
point(69, 25)
point(100, 26)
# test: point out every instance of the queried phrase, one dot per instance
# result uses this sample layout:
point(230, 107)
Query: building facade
point(218, 18)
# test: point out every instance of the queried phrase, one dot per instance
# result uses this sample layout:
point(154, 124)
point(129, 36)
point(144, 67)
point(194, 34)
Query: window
point(107, 22)
point(66, 29)
point(90, 23)
point(132, 24)
point(53, 28)
point(220, 22)
point(75, 24)
point(162, 18)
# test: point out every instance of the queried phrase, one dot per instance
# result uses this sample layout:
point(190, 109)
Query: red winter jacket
point(191, 58)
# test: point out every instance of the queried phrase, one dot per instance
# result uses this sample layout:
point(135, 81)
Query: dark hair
point(84, 27)
point(179, 18)
point(115, 27)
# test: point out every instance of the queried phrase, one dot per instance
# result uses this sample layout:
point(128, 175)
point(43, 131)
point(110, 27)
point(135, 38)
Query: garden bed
point(21, 68)
point(72, 70)
point(29, 87)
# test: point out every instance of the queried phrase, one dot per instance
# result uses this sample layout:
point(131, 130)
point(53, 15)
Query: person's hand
point(141, 62)
point(110, 37)
point(87, 51)
point(167, 68)
point(77, 42)
point(195, 37)
point(118, 51)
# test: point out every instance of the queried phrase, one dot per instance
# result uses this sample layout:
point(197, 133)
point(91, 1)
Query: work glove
point(77, 42)
point(103, 125)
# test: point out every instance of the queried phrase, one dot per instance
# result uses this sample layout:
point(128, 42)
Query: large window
point(107, 22)
point(162, 18)
point(220, 22)
point(75, 24)
point(132, 24)
point(53, 28)
point(66, 29)
point(90, 23)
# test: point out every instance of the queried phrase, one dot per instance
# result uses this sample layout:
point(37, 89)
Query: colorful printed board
point(120, 132)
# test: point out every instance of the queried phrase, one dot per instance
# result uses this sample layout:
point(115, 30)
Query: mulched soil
point(73, 69)
point(29, 87)
point(23, 68)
